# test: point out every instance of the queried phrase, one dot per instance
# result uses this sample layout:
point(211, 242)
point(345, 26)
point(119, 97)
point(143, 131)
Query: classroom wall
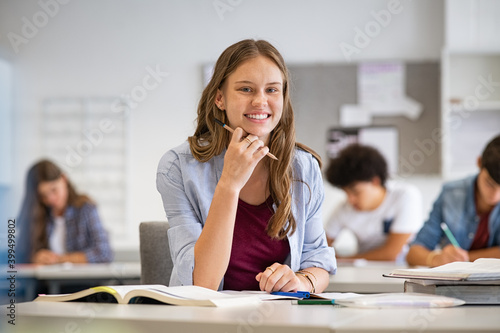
point(96, 48)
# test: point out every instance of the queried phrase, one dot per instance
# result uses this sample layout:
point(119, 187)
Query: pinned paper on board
point(383, 138)
point(381, 92)
point(355, 115)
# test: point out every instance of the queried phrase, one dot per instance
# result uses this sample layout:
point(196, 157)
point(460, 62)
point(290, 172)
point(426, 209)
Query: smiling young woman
point(252, 97)
point(239, 220)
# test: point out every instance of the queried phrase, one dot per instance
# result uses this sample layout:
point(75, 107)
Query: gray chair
point(156, 262)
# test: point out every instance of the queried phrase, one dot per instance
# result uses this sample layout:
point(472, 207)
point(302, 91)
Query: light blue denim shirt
point(457, 208)
point(187, 187)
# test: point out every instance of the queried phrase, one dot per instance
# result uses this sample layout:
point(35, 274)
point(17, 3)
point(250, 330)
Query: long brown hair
point(37, 212)
point(210, 140)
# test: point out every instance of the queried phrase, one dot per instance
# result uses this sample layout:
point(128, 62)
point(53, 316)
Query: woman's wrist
point(305, 285)
point(227, 186)
point(309, 279)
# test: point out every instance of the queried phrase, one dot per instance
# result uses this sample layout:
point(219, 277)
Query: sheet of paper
point(381, 91)
point(354, 115)
point(385, 140)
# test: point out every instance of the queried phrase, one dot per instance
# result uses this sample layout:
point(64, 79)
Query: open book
point(152, 294)
point(482, 269)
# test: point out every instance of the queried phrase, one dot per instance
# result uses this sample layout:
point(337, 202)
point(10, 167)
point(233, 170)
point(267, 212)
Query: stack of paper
point(475, 282)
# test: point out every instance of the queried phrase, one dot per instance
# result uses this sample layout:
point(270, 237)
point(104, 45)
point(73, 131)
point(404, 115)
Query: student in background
point(238, 219)
point(59, 224)
point(383, 215)
point(470, 208)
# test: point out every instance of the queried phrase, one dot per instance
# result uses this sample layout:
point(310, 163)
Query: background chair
point(156, 262)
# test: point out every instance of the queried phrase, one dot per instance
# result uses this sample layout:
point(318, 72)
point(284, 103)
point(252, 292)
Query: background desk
point(58, 275)
point(268, 317)
point(365, 279)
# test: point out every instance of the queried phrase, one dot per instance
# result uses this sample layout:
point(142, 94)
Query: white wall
point(101, 48)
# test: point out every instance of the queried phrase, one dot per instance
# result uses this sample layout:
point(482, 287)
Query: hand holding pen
point(246, 139)
point(243, 155)
point(452, 252)
point(449, 235)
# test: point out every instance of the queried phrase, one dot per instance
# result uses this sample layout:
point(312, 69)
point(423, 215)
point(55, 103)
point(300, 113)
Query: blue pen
point(298, 294)
point(448, 234)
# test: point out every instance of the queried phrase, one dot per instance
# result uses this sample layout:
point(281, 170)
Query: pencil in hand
point(232, 131)
point(450, 236)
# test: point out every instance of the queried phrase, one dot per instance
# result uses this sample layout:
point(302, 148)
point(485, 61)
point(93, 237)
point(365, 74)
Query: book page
point(482, 265)
point(485, 265)
point(180, 292)
point(122, 290)
point(337, 296)
point(190, 292)
point(484, 268)
point(199, 296)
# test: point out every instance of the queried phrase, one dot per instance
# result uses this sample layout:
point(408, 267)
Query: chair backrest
point(156, 262)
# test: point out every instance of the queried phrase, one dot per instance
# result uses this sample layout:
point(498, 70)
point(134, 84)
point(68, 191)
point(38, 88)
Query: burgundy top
point(252, 250)
point(482, 233)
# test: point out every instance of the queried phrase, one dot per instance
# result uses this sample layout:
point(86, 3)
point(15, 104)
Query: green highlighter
point(315, 302)
point(448, 234)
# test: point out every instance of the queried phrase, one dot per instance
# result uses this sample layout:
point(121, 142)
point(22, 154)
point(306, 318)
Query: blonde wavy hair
point(210, 139)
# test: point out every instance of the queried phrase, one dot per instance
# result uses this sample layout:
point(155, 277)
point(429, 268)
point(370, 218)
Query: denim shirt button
point(471, 235)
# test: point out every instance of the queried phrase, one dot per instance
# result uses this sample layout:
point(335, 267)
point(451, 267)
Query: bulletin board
point(318, 91)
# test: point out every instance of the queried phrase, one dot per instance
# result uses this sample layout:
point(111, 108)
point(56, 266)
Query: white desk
point(365, 279)
point(57, 275)
point(268, 317)
point(70, 271)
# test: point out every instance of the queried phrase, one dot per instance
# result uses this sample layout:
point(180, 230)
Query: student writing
point(382, 214)
point(470, 208)
point(58, 224)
